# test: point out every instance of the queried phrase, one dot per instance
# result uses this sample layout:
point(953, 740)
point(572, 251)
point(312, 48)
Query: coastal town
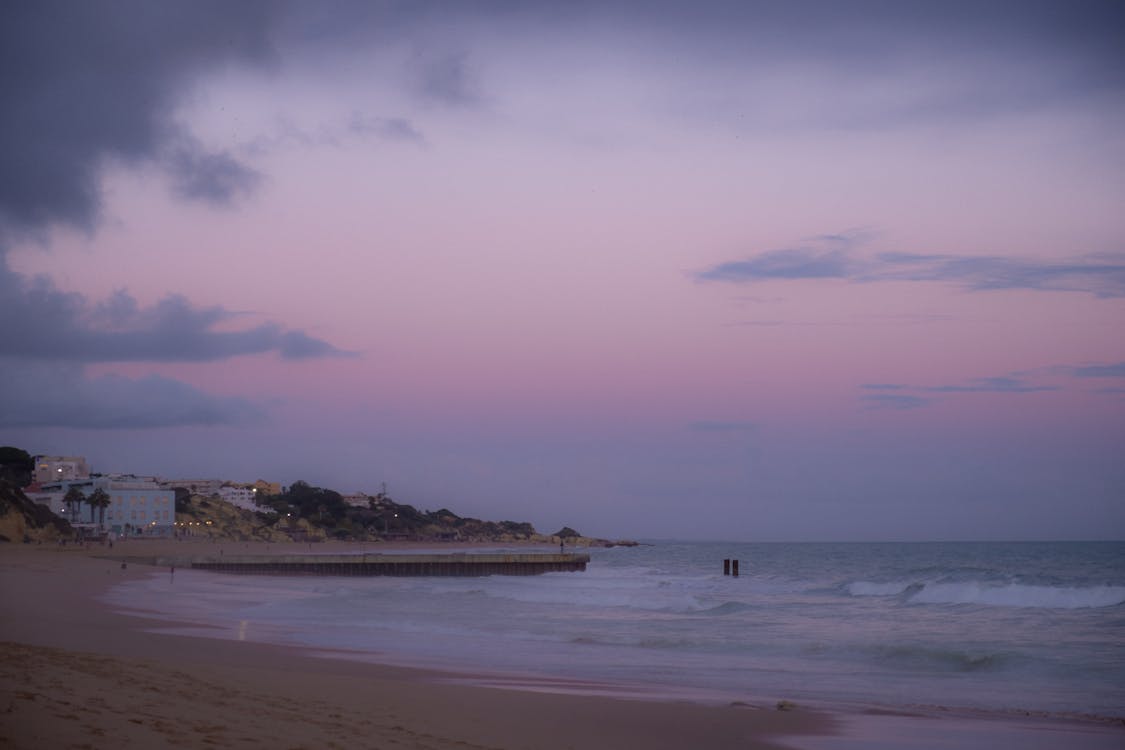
point(86, 505)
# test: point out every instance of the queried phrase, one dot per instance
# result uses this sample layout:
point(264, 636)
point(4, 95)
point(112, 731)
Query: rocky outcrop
point(211, 518)
point(216, 519)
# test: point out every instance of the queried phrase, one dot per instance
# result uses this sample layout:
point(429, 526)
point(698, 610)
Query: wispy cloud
point(389, 128)
point(359, 126)
point(43, 376)
point(1115, 370)
point(798, 263)
point(903, 396)
point(214, 177)
point(1003, 384)
point(833, 257)
point(70, 328)
point(897, 401)
point(52, 395)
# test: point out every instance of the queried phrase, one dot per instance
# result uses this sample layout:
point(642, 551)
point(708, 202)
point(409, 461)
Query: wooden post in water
point(726, 567)
point(734, 568)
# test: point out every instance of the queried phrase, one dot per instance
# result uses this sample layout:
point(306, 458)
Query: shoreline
point(59, 587)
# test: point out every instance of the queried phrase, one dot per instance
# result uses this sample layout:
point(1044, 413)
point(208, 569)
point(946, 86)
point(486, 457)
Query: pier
point(467, 565)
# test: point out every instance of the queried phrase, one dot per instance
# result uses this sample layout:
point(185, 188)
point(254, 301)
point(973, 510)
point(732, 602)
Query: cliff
point(22, 520)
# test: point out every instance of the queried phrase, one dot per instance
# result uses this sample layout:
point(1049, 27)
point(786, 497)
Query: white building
point(60, 468)
point(137, 507)
point(358, 500)
point(241, 497)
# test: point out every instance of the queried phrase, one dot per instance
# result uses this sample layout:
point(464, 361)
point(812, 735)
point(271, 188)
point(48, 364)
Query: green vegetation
point(74, 498)
point(308, 513)
point(98, 502)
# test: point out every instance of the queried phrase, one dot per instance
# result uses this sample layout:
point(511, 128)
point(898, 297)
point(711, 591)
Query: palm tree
point(99, 499)
point(74, 497)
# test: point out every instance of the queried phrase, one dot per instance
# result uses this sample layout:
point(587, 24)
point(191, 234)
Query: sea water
point(991, 627)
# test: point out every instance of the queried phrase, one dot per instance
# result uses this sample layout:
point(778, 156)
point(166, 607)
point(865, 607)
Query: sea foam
point(995, 595)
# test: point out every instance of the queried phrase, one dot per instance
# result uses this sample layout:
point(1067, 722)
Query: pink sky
point(796, 276)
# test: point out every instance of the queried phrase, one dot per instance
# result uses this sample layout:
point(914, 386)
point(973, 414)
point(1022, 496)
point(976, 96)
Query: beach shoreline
point(76, 671)
point(76, 668)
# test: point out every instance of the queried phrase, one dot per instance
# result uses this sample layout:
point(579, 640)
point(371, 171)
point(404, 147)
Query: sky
point(761, 271)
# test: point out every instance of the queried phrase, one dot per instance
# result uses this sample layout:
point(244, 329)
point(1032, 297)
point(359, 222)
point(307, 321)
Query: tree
point(99, 499)
point(16, 465)
point(74, 498)
point(314, 503)
point(183, 499)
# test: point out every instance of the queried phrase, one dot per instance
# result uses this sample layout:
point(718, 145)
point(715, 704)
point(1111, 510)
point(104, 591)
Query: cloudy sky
point(760, 271)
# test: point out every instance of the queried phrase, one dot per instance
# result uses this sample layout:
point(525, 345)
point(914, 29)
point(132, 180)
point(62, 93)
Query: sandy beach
point(77, 675)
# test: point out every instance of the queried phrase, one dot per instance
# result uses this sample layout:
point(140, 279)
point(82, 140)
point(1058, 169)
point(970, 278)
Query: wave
point(867, 588)
point(993, 594)
point(929, 658)
point(1020, 595)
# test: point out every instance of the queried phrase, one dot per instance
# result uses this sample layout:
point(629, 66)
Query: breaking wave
point(994, 595)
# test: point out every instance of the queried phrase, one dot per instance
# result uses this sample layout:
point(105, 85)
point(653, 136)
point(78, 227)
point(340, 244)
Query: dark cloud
point(1101, 275)
point(65, 327)
point(84, 83)
point(52, 395)
point(49, 336)
point(213, 177)
point(447, 80)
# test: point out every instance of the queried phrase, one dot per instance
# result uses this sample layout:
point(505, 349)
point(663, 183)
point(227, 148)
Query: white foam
point(867, 588)
point(1020, 595)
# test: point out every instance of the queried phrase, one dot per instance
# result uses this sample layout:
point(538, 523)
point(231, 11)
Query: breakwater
point(379, 564)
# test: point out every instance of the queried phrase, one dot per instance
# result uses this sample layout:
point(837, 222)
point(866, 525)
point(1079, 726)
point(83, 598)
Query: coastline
point(77, 669)
point(75, 673)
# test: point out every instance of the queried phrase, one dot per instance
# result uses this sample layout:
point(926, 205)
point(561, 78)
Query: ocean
point(993, 628)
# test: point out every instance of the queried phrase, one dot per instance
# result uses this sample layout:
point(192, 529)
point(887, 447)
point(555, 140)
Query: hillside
point(311, 514)
point(22, 520)
point(304, 513)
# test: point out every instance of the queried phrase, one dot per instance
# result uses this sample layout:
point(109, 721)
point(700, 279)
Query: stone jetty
point(467, 564)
